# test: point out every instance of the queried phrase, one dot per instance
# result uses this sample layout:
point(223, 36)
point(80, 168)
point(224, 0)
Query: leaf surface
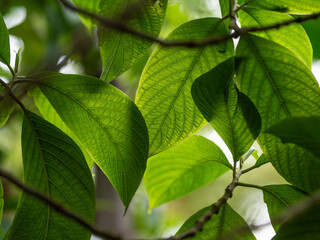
point(230, 112)
point(164, 93)
point(280, 86)
point(219, 226)
point(293, 36)
point(183, 169)
point(107, 123)
point(119, 51)
point(91, 6)
point(50, 114)
point(278, 198)
point(302, 131)
point(53, 165)
point(290, 6)
point(4, 42)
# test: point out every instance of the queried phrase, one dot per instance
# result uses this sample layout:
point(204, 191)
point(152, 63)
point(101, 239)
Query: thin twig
point(58, 207)
point(107, 22)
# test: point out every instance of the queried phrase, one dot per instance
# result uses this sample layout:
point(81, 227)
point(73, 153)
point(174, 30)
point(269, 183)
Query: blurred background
point(52, 38)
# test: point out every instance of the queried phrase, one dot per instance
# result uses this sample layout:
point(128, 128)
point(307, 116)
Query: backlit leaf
point(183, 169)
point(4, 42)
point(230, 112)
point(290, 6)
point(106, 122)
point(293, 37)
point(54, 165)
point(6, 108)
point(302, 131)
point(119, 51)
point(164, 94)
point(278, 198)
point(219, 226)
point(280, 86)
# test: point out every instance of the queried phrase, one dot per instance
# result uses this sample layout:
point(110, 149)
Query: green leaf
point(280, 86)
point(290, 6)
point(230, 112)
point(164, 94)
point(50, 114)
point(107, 123)
point(6, 108)
point(1, 201)
point(183, 169)
point(219, 226)
point(90, 6)
point(278, 198)
point(225, 10)
point(293, 37)
point(53, 165)
point(4, 42)
point(119, 51)
point(302, 131)
point(262, 160)
point(304, 227)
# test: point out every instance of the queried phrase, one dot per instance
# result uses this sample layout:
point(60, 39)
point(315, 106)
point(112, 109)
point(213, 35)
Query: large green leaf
point(4, 42)
point(304, 227)
point(50, 114)
point(230, 112)
point(164, 94)
point(106, 122)
point(293, 37)
point(278, 198)
point(183, 169)
point(219, 226)
point(225, 10)
point(6, 108)
point(280, 86)
point(119, 51)
point(262, 160)
point(302, 131)
point(291, 6)
point(54, 165)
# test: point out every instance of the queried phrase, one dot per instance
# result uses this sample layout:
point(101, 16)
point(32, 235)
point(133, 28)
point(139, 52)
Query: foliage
point(259, 92)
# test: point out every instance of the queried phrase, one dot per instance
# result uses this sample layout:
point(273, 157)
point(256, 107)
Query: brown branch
point(58, 207)
point(119, 26)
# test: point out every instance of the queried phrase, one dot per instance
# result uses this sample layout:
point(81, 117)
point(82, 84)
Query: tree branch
point(58, 207)
point(119, 26)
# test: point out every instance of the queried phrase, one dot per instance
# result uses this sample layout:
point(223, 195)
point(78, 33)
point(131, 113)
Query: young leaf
point(278, 198)
point(225, 10)
point(280, 86)
point(290, 6)
point(6, 108)
point(304, 227)
point(164, 93)
point(219, 226)
point(302, 131)
point(119, 51)
point(262, 160)
point(50, 114)
point(4, 42)
point(55, 166)
point(293, 37)
point(106, 122)
point(183, 169)
point(230, 112)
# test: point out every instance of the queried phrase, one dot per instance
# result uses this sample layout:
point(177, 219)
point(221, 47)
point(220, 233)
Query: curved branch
point(58, 207)
point(119, 26)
